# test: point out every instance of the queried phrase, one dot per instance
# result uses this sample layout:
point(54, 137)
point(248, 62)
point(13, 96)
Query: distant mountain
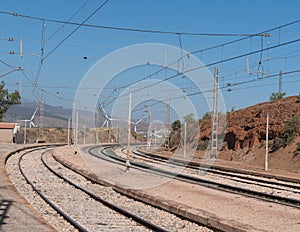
point(56, 116)
point(53, 116)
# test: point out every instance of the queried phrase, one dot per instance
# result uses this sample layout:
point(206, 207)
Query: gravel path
point(19, 214)
point(79, 206)
point(231, 209)
point(257, 185)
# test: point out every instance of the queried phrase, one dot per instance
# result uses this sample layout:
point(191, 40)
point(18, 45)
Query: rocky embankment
point(246, 128)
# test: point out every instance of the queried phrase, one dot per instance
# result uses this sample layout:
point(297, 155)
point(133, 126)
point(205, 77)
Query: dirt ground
point(281, 162)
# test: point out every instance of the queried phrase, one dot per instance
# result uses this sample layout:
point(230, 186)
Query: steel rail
point(212, 169)
point(211, 184)
point(224, 169)
point(56, 208)
point(124, 212)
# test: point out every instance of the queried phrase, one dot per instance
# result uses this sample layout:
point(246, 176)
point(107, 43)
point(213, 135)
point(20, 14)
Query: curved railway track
point(241, 184)
point(57, 186)
point(226, 174)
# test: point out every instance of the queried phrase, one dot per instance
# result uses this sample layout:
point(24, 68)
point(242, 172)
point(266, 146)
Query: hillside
point(54, 116)
point(245, 134)
point(60, 135)
point(247, 127)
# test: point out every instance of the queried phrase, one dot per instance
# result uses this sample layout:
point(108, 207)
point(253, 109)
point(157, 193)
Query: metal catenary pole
point(184, 146)
point(69, 124)
point(128, 133)
point(214, 146)
point(267, 144)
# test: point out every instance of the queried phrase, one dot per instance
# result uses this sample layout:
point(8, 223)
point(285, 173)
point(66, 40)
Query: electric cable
point(212, 64)
point(5, 63)
point(73, 15)
point(131, 29)
point(265, 33)
point(78, 26)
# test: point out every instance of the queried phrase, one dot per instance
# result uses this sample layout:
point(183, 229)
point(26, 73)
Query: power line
point(258, 86)
point(40, 64)
point(5, 63)
point(78, 26)
point(73, 15)
point(43, 41)
point(265, 33)
point(45, 91)
point(132, 29)
point(211, 64)
point(179, 33)
point(223, 87)
point(274, 75)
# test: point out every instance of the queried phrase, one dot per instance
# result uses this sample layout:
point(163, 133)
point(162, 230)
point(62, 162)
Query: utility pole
point(97, 118)
point(74, 122)
point(117, 132)
point(42, 113)
point(267, 144)
point(184, 141)
point(76, 128)
point(128, 133)
point(84, 133)
point(25, 129)
point(20, 87)
point(280, 82)
point(154, 137)
point(214, 137)
point(168, 121)
point(168, 112)
point(21, 48)
point(149, 136)
point(69, 124)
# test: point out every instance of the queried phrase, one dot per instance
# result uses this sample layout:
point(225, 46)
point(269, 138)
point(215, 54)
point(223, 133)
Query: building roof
point(5, 125)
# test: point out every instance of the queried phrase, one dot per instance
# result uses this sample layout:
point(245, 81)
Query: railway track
point(252, 186)
point(85, 205)
point(281, 185)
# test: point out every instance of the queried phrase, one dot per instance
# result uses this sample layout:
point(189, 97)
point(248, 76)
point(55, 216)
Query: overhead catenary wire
point(208, 65)
point(40, 64)
point(202, 50)
point(258, 86)
point(225, 60)
point(42, 46)
point(43, 42)
point(7, 64)
point(224, 87)
point(72, 16)
point(78, 26)
point(265, 33)
point(132, 29)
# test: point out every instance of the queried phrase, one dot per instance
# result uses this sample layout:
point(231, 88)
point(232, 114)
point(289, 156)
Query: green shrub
point(290, 130)
point(202, 145)
point(276, 96)
point(176, 125)
point(277, 143)
point(298, 98)
point(59, 129)
point(297, 150)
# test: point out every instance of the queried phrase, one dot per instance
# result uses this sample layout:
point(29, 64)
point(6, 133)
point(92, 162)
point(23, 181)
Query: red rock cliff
point(247, 127)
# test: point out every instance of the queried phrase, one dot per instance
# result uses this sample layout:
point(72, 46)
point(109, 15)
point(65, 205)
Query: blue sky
point(63, 69)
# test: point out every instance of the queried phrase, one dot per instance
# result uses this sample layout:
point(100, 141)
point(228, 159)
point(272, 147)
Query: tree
point(192, 127)
point(176, 125)
point(276, 96)
point(290, 131)
point(189, 119)
point(7, 99)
